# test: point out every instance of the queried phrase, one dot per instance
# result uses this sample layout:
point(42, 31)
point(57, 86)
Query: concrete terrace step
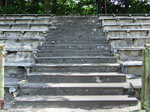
point(73, 88)
point(84, 102)
point(22, 30)
point(127, 26)
point(70, 77)
point(25, 16)
point(77, 59)
point(129, 53)
point(76, 67)
point(129, 41)
point(124, 20)
point(99, 47)
point(24, 21)
point(23, 33)
point(132, 67)
point(127, 32)
point(73, 53)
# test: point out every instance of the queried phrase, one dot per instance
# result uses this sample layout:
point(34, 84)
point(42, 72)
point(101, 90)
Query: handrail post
point(145, 92)
point(147, 81)
point(143, 81)
point(1, 76)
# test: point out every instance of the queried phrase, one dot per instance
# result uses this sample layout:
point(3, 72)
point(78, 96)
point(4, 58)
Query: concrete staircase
point(76, 69)
point(127, 35)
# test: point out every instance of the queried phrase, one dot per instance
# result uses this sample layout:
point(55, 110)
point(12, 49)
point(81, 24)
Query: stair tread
point(76, 50)
point(77, 98)
point(76, 57)
point(78, 74)
point(87, 64)
point(76, 85)
point(74, 45)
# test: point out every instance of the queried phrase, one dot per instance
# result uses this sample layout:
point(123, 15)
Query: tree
point(47, 4)
point(1, 2)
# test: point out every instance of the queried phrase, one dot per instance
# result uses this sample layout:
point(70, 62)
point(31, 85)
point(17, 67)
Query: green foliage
point(73, 7)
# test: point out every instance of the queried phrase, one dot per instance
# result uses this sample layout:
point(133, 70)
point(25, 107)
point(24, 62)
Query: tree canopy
point(72, 7)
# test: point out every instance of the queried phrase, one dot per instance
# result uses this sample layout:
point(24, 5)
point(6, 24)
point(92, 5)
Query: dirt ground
point(120, 109)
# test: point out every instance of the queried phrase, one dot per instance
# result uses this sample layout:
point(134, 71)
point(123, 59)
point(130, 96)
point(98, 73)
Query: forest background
point(73, 7)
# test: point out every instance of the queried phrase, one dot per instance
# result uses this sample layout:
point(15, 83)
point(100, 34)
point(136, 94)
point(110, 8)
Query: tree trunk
point(105, 6)
point(1, 2)
point(98, 6)
point(47, 6)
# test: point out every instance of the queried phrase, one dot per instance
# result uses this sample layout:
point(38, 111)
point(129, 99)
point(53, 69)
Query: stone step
point(108, 16)
point(84, 102)
point(127, 32)
point(129, 41)
point(52, 20)
point(25, 16)
point(127, 26)
point(73, 41)
point(23, 33)
point(76, 67)
point(75, 36)
point(129, 53)
point(24, 21)
point(73, 88)
point(73, 53)
point(125, 20)
point(26, 26)
point(99, 47)
point(77, 59)
point(76, 77)
point(132, 67)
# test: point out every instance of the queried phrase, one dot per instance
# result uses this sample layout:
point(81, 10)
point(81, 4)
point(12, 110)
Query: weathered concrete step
point(99, 47)
point(84, 102)
point(127, 26)
point(127, 32)
point(129, 53)
point(24, 21)
point(25, 16)
point(43, 27)
point(132, 67)
point(76, 77)
point(76, 68)
point(77, 59)
point(48, 42)
point(121, 20)
point(73, 36)
point(73, 88)
point(129, 41)
point(73, 53)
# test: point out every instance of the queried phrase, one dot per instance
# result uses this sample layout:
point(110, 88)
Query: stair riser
point(75, 79)
point(72, 91)
point(74, 104)
point(76, 69)
point(81, 60)
point(75, 37)
point(77, 47)
point(73, 53)
point(48, 42)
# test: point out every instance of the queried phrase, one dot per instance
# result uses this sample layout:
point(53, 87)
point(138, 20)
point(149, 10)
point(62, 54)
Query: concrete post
point(143, 81)
point(145, 92)
point(1, 77)
point(147, 78)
